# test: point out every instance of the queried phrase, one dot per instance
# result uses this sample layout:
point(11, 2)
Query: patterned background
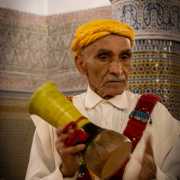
point(35, 48)
point(157, 50)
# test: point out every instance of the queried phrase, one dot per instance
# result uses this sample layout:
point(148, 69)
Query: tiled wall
point(157, 47)
point(34, 49)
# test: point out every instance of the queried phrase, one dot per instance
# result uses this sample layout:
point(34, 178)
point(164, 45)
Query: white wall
point(46, 7)
point(31, 6)
point(57, 6)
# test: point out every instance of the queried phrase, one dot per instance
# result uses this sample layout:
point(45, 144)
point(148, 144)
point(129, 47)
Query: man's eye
point(125, 56)
point(103, 57)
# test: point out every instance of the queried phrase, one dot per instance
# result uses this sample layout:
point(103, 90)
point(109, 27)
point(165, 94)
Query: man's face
point(107, 64)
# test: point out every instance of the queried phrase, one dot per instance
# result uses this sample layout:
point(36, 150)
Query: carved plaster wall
point(35, 49)
point(23, 50)
point(61, 64)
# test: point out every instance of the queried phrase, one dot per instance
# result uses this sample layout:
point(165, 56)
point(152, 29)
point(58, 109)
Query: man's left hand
point(148, 166)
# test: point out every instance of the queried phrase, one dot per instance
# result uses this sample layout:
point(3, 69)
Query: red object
point(136, 125)
point(133, 131)
point(77, 137)
point(71, 125)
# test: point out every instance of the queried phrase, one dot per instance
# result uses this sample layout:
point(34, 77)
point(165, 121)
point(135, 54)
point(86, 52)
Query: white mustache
point(116, 79)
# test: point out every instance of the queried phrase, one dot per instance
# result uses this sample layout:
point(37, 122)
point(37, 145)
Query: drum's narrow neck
point(92, 130)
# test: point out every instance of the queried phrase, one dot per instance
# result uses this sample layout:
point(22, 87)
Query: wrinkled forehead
point(110, 42)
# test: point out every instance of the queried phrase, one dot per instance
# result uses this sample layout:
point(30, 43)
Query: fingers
point(60, 146)
point(148, 170)
point(72, 149)
point(69, 154)
point(148, 147)
point(60, 131)
point(61, 136)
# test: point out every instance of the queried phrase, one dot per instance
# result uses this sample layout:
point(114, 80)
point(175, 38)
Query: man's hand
point(148, 167)
point(148, 170)
point(69, 155)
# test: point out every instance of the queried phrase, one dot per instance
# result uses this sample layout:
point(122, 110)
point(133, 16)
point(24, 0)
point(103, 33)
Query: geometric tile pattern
point(157, 47)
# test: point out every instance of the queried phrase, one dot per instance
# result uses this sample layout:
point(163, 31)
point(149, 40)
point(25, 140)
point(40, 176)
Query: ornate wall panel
point(33, 49)
point(23, 49)
point(157, 47)
point(61, 67)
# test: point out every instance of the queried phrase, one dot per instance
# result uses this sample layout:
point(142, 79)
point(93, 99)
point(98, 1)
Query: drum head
point(107, 153)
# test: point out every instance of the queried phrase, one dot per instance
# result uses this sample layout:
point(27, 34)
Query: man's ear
point(81, 64)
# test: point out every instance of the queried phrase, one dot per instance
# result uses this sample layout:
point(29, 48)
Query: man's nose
point(116, 68)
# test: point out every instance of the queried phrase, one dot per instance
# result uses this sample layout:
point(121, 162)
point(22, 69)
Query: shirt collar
point(92, 99)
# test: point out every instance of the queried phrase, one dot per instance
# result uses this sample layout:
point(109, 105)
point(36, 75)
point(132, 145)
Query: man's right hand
point(70, 155)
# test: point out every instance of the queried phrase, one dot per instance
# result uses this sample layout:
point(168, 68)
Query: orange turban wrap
point(96, 29)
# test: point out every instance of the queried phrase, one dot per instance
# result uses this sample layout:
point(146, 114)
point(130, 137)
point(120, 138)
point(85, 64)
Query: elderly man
point(103, 53)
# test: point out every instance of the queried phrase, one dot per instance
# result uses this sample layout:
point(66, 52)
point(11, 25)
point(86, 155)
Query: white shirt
point(110, 114)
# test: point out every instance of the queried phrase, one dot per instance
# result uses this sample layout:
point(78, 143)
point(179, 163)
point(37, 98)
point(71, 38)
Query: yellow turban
point(96, 29)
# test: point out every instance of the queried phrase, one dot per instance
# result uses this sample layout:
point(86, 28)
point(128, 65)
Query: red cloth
point(136, 125)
